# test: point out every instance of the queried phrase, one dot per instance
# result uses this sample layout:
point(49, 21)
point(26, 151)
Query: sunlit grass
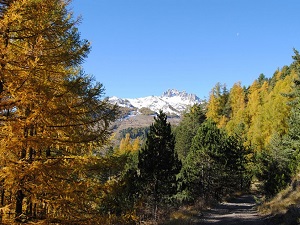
point(187, 215)
point(281, 202)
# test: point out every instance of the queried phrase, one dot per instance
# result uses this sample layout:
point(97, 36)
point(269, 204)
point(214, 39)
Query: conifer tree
point(187, 129)
point(218, 108)
point(291, 142)
point(256, 115)
point(214, 166)
point(277, 110)
point(237, 113)
point(158, 165)
point(52, 115)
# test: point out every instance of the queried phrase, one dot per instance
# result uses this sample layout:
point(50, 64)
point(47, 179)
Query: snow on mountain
point(171, 101)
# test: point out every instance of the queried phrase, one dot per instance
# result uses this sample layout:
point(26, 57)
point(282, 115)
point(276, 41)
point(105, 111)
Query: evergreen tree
point(262, 79)
point(158, 165)
point(187, 129)
point(273, 167)
point(214, 166)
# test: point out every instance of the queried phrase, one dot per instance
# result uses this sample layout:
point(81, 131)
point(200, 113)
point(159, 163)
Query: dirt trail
point(241, 211)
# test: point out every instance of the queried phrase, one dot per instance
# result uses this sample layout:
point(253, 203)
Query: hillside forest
point(60, 162)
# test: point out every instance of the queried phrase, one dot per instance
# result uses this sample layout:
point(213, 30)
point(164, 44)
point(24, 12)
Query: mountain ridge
point(172, 102)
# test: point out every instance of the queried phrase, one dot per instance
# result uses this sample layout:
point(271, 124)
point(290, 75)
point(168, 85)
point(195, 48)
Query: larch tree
point(52, 115)
point(255, 115)
point(277, 109)
point(125, 144)
point(237, 113)
point(214, 105)
point(217, 107)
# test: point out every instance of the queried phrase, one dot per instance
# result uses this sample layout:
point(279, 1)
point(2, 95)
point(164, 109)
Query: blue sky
point(144, 47)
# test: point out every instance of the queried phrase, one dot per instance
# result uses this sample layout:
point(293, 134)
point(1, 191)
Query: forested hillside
point(59, 161)
point(240, 136)
point(265, 117)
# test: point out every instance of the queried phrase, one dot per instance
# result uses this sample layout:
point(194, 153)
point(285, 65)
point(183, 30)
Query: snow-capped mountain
point(171, 101)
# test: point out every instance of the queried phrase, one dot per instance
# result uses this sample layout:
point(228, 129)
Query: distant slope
point(140, 112)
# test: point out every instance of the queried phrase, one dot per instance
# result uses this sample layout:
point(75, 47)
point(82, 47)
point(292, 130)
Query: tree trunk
point(48, 152)
point(19, 203)
point(2, 196)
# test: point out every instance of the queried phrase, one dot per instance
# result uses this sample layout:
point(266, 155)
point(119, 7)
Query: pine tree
point(273, 166)
point(214, 166)
point(158, 165)
point(52, 115)
point(200, 173)
point(187, 129)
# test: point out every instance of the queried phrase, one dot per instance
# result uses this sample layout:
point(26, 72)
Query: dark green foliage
point(224, 101)
point(187, 129)
point(214, 166)
point(274, 166)
point(291, 141)
point(158, 166)
point(262, 78)
point(140, 132)
point(274, 172)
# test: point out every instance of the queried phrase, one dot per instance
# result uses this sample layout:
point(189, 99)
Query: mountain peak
point(171, 101)
point(172, 93)
point(182, 94)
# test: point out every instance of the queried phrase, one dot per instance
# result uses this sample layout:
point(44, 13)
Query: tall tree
point(51, 114)
point(158, 165)
point(276, 109)
point(256, 115)
point(218, 108)
point(237, 102)
point(187, 129)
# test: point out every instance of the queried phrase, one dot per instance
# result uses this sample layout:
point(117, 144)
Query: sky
point(145, 47)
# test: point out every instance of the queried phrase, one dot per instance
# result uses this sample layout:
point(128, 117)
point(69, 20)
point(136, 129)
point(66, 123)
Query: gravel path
point(241, 210)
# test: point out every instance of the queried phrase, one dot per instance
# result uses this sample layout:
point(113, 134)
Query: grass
point(283, 200)
point(188, 214)
point(182, 217)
